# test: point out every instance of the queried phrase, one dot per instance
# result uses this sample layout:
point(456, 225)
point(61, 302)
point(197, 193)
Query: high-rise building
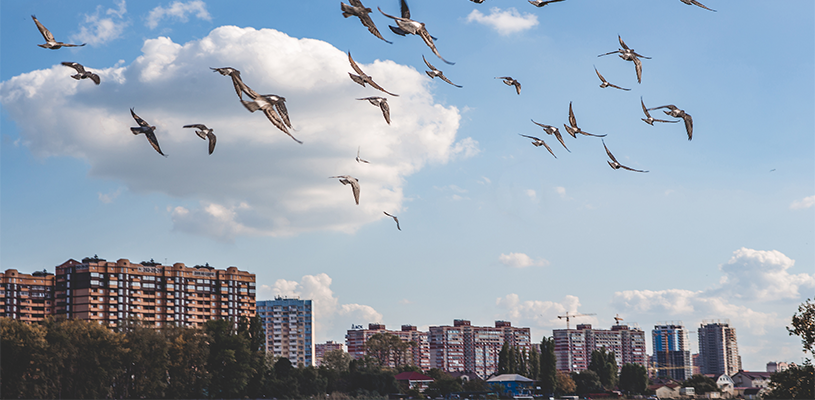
point(288, 325)
point(447, 346)
point(573, 347)
point(356, 338)
point(27, 298)
point(718, 349)
point(474, 349)
point(107, 292)
point(672, 351)
point(320, 349)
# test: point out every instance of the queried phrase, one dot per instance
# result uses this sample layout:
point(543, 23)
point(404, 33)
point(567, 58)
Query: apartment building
point(466, 348)
point(27, 298)
point(107, 292)
point(672, 351)
point(320, 349)
point(718, 348)
point(573, 347)
point(356, 338)
point(288, 324)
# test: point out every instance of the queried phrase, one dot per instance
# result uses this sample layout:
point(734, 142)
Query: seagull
point(349, 180)
point(614, 164)
point(677, 113)
point(394, 217)
point(358, 10)
point(573, 129)
point(552, 130)
point(382, 103)
point(541, 3)
point(267, 103)
point(628, 54)
point(605, 83)
point(539, 142)
point(474, 1)
point(359, 159)
point(362, 78)
point(511, 82)
point(81, 73)
point(240, 87)
point(204, 133)
point(696, 3)
point(434, 72)
point(147, 130)
point(405, 26)
point(650, 120)
point(50, 42)
point(279, 103)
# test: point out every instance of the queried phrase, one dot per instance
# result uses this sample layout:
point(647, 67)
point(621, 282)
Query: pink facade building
point(474, 349)
point(573, 347)
point(321, 348)
point(356, 337)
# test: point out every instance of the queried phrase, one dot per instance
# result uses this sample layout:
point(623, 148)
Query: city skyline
point(492, 227)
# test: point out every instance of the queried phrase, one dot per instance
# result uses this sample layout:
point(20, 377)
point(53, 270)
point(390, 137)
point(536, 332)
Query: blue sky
point(492, 227)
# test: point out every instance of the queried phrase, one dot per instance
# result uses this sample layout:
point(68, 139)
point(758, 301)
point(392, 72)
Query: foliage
point(443, 384)
point(701, 384)
point(548, 367)
point(337, 360)
point(534, 365)
point(633, 379)
point(796, 382)
point(388, 349)
point(803, 325)
point(604, 363)
point(228, 362)
point(587, 382)
point(23, 351)
point(565, 383)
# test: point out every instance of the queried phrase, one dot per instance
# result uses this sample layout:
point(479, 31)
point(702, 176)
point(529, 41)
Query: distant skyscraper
point(718, 350)
point(672, 351)
point(289, 329)
point(573, 347)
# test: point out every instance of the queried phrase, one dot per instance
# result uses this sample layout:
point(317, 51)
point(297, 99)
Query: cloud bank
point(258, 181)
point(521, 260)
point(505, 22)
point(806, 202)
point(178, 11)
point(99, 29)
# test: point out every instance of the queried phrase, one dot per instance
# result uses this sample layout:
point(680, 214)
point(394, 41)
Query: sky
point(721, 228)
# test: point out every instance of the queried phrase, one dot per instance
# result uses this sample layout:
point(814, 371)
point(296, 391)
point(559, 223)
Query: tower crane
point(567, 317)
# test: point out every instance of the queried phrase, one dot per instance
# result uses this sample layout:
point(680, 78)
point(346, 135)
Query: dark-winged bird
point(81, 73)
point(233, 73)
point(147, 130)
point(382, 103)
point(267, 103)
point(541, 3)
point(648, 118)
point(538, 142)
point(363, 78)
point(614, 164)
point(696, 3)
point(574, 129)
point(204, 133)
point(394, 218)
point(552, 130)
point(675, 112)
point(605, 83)
point(511, 82)
point(356, 9)
point(349, 180)
point(628, 54)
point(405, 26)
point(50, 42)
point(434, 72)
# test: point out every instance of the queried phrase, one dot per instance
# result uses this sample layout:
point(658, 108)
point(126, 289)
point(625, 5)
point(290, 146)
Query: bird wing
point(284, 113)
point(611, 156)
point(429, 41)
point(615, 86)
point(212, 140)
point(688, 125)
point(151, 137)
point(444, 78)
point(369, 23)
point(356, 3)
point(645, 110)
point(275, 119)
point(95, 78)
point(669, 106)
point(138, 119)
point(44, 31)
point(77, 66)
point(631, 169)
point(199, 126)
point(429, 65)
point(389, 16)
point(376, 86)
point(662, 120)
point(599, 75)
point(610, 52)
point(517, 86)
point(560, 138)
point(354, 64)
point(355, 188)
point(531, 137)
point(572, 119)
point(544, 126)
point(405, 10)
point(549, 148)
point(638, 66)
point(386, 110)
point(238, 84)
point(696, 3)
point(504, 77)
point(622, 43)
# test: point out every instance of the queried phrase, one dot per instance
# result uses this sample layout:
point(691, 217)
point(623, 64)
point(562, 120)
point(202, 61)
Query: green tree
point(388, 349)
point(565, 383)
point(701, 384)
point(803, 325)
point(548, 367)
point(188, 353)
point(229, 360)
point(633, 379)
point(503, 360)
point(443, 384)
point(337, 360)
point(252, 331)
point(145, 363)
point(796, 382)
point(534, 364)
point(587, 382)
point(23, 351)
point(604, 363)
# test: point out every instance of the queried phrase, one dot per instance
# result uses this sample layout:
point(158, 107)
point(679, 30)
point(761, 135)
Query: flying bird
point(394, 218)
point(50, 42)
point(349, 180)
point(696, 3)
point(233, 73)
point(649, 119)
point(405, 26)
point(382, 103)
point(434, 72)
point(614, 164)
point(474, 1)
point(675, 112)
point(539, 142)
point(605, 83)
point(81, 73)
point(267, 103)
point(356, 9)
point(204, 133)
point(511, 82)
point(628, 54)
point(359, 159)
point(362, 78)
point(541, 3)
point(147, 130)
point(574, 129)
point(552, 130)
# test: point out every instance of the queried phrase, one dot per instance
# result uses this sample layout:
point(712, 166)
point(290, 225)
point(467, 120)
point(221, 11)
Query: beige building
point(27, 298)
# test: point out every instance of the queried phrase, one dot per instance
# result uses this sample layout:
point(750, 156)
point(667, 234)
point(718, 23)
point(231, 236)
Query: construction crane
point(618, 318)
point(567, 317)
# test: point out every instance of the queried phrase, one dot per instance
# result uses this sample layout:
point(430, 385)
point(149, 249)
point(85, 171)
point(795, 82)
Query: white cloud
point(504, 21)
point(331, 318)
point(521, 260)
point(537, 313)
point(258, 181)
point(99, 30)
point(179, 11)
point(762, 275)
point(532, 194)
point(108, 198)
point(807, 202)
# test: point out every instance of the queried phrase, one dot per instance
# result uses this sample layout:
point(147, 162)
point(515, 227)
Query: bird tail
point(429, 74)
point(250, 105)
point(135, 131)
point(77, 76)
point(357, 79)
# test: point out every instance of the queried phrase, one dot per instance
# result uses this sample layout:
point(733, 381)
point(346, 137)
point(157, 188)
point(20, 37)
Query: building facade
point(573, 347)
point(718, 348)
point(288, 326)
point(27, 298)
point(357, 336)
point(474, 349)
point(672, 351)
point(320, 349)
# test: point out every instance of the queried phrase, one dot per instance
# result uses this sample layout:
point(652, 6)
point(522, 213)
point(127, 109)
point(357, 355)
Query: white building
point(289, 329)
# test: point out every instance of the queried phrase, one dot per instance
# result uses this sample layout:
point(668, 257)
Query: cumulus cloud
point(179, 11)
point(504, 21)
point(108, 198)
point(330, 317)
point(258, 181)
point(99, 29)
point(532, 194)
point(806, 202)
point(763, 275)
point(537, 313)
point(521, 260)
